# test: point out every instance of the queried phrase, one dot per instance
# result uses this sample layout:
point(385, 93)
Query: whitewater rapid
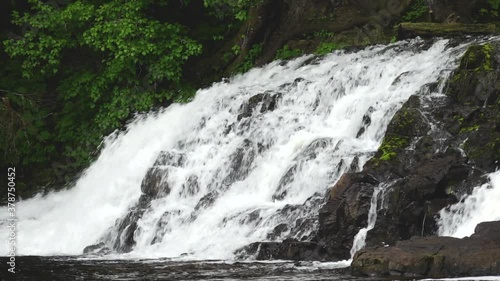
point(481, 205)
point(327, 100)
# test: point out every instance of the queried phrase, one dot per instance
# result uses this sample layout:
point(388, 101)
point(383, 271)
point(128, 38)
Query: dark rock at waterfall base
point(435, 257)
point(286, 250)
point(155, 184)
point(96, 249)
point(278, 231)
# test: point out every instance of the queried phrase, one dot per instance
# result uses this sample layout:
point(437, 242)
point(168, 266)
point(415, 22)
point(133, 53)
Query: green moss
point(250, 58)
point(390, 146)
point(286, 53)
point(477, 58)
point(469, 129)
point(327, 47)
point(459, 118)
point(323, 34)
point(491, 149)
point(492, 10)
point(416, 10)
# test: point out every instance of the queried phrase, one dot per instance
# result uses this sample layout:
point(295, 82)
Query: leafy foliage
point(286, 53)
point(326, 47)
point(417, 9)
point(250, 58)
point(495, 4)
point(79, 70)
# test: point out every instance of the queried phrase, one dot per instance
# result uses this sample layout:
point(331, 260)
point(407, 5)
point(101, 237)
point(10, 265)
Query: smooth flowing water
point(247, 167)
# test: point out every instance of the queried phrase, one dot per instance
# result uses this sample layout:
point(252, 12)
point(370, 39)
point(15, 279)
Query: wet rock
point(240, 165)
point(345, 213)
point(367, 120)
point(435, 257)
point(191, 186)
point(206, 201)
point(155, 183)
point(126, 227)
point(266, 101)
point(427, 29)
point(278, 231)
point(288, 250)
point(353, 168)
point(96, 249)
point(308, 154)
point(170, 158)
point(436, 149)
point(162, 226)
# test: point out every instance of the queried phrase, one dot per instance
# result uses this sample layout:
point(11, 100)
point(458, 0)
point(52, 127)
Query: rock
point(278, 231)
point(288, 250)
point(345, 213)
point(428, 29)
point(435, 257)
point(96, 249)
point(266, 101)
point(366, 122)
point(424, 166)
point(170, 158)
point(155, 182)
point(191, 187)
point(241, 161)
point(308, 154)
point(162, 226)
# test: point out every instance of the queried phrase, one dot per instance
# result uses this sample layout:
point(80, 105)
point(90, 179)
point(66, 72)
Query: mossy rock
point(474, 83)
point(428, 29)
point(478, 58)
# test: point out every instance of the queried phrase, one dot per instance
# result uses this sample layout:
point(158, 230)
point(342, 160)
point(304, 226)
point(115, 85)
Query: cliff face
point(435, 150)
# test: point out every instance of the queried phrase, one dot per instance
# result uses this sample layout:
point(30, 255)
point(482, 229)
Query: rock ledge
point(435, 257)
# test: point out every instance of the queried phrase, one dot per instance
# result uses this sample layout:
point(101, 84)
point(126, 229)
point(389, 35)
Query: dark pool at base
point(35, 268)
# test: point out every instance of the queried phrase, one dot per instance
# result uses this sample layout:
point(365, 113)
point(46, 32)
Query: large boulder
point(435, 257)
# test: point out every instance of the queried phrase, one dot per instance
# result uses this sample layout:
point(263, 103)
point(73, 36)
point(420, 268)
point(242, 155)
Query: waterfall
point(254, 156)
point(360, 238)
point(481, 205)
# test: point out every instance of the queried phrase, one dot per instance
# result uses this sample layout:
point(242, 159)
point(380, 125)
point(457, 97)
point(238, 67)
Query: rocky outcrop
point(435, 257)
point(435, 150)
point(428, 29)
point(97, 249)
point(286, 250)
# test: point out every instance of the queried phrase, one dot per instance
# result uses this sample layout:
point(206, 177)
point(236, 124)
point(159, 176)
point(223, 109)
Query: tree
point(98, 62)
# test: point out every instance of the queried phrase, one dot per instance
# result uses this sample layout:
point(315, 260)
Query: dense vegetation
point(73, 71)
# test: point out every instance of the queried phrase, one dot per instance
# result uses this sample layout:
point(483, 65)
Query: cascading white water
point(318, 101)
point(360, 238)
point(481, 205)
